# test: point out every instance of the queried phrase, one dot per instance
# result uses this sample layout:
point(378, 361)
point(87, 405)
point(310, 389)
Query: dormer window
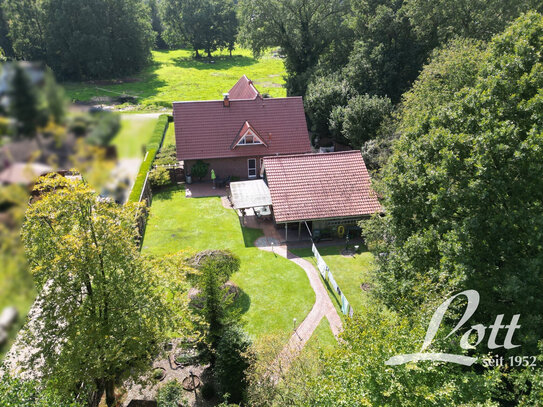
point(247, 136)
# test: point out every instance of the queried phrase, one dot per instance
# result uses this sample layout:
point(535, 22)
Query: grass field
point(135, 132)
point(275, 290)
point(349, 273)
point(175, 75)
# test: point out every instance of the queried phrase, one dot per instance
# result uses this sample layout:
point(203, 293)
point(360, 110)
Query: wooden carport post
point(286, 232)
point(299, 230)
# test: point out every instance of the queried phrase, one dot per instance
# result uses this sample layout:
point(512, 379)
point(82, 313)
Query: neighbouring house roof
point(209, 129)
point(320, 186)
point(243, 89)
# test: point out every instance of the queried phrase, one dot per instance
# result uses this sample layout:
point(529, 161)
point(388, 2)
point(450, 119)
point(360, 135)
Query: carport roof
point(250, 194)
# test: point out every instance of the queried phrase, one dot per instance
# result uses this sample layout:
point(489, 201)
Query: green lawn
point(349, 273)
point(175, 75)
point(322, 338)
point(275, 290)
point(169, 138)
point(135, 132)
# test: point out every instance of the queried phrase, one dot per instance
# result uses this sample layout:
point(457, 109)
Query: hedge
point(152, 147)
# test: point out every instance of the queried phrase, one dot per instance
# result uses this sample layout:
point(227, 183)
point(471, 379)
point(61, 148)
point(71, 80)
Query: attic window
point(249, 139)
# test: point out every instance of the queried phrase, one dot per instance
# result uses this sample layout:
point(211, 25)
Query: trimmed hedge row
point(151, 148)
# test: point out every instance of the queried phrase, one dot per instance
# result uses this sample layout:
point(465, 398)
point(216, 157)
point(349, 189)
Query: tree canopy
point(304, 29)
point(81, 40)
point(205, 25)
point(462, 194)
point(104, 309)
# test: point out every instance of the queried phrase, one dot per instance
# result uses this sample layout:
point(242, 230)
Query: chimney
point(226, 101)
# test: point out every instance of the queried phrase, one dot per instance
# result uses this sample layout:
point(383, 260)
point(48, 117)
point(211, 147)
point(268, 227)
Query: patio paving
point(204, 189)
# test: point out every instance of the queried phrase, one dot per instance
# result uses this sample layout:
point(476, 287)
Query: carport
point(253, 194)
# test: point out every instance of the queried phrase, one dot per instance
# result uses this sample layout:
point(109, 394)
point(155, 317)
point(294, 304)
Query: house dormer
point(247, 136)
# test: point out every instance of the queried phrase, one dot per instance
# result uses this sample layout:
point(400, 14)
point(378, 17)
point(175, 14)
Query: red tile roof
point(207, 129)
point(320, 186)
point(243, 89)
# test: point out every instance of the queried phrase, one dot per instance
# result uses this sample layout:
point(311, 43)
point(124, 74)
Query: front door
point(251, 165)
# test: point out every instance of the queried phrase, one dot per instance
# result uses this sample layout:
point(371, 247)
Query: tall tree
point(5, 41)
point(441, 20)
point(97, 38)
point(104, 309)
point(206, 25)
point(156, 24)
point(24, 103)
point(27, 28)
point(462, 194)
point(304, 29)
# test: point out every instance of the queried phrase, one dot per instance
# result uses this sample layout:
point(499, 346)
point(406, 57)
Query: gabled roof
point(243, 89)
point(247, 128)
point(205, 129)
point(320, 186)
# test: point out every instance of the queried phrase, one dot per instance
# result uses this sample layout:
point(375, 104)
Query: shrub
point(208, 391)
point(152, 147)
point(142, 174)
point(159, 177)
point(158, 133)
point(166, 156)
point(232, 363)
point(170, 395)
point(199, 169)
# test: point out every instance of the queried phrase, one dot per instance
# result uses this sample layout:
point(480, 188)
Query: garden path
point(323, 306)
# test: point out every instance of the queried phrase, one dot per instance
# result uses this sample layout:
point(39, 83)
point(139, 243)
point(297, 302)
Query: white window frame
point(256, 139)
point(249, 169)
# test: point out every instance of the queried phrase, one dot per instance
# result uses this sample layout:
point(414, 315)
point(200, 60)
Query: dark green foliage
point(79, 40)
point(387, 56)
point(208, 391)
point(303, 29)
point(104, 126)
point(171, 395)
point(25, 393)
point(204, 24)
point(199, 169)
point(27, 28)
point(360, 120)
point(5, 42)
point(215, 268)
point(152, 147)
point(55, 98)
point(462, 190)
point(98, 38)
point(441, 20)
point(24, 104)
point(323, 94)
point(156, 24)
point(232, 362)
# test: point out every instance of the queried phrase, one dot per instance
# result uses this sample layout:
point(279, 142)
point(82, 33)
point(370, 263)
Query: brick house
point(234, 134)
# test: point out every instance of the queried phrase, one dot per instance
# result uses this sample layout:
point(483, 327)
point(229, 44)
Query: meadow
point(174, 75)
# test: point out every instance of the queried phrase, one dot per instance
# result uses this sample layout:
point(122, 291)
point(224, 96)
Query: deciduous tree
point(304, 29)
point(104, 310)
